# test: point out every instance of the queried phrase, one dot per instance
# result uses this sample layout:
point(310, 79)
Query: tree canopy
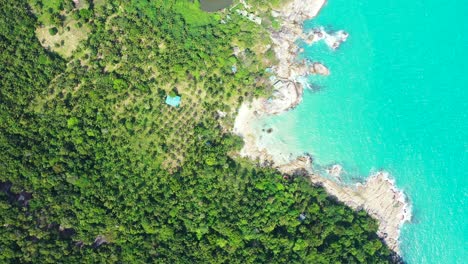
point(95, 168)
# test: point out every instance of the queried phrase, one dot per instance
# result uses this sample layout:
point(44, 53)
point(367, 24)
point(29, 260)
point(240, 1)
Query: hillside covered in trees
point(96, 168)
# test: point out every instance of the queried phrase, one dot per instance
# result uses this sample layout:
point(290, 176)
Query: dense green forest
point(95, 168)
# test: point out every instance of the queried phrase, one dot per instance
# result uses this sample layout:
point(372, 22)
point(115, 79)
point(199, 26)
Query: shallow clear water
point(396, 99)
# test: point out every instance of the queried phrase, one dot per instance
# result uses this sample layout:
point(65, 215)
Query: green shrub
point(53, 31)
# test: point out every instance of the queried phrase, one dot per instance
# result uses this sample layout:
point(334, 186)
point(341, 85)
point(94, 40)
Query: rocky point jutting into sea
point(378, 195)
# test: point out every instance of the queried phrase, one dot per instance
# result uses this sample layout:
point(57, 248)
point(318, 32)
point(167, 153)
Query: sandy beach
point(378, 195)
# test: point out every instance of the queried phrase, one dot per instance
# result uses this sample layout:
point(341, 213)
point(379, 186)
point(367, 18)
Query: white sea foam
point(378, 195)
point(332, 39)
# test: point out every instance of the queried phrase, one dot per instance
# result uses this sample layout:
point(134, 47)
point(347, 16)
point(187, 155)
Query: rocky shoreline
point(378, 195)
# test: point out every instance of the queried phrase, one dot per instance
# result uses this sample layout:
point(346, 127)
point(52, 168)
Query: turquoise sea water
point(397, 99)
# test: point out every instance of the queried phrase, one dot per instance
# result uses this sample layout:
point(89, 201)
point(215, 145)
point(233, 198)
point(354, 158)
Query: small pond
point(214, 5)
